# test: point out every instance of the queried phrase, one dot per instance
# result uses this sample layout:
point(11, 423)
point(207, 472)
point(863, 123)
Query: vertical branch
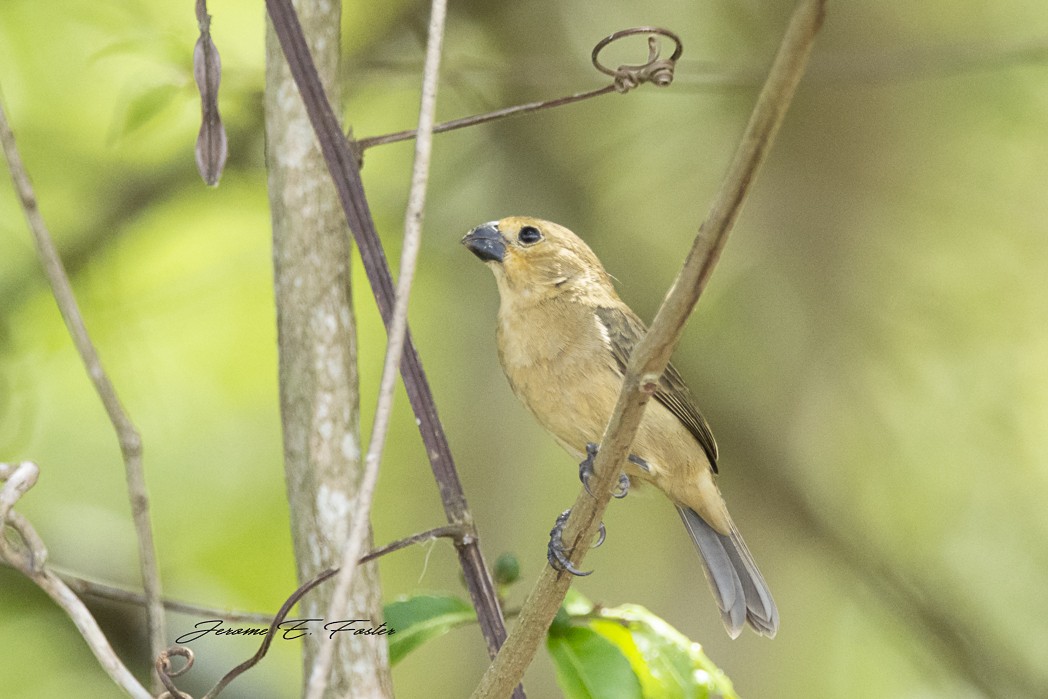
point(319, 387)
point(652, 353)
point(127, 436)
point(358, 539)
point(344, 168)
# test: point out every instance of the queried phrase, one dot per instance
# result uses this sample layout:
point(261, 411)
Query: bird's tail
point(741, 592)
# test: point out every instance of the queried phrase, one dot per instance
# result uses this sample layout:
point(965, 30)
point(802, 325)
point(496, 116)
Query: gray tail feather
point(741, 592)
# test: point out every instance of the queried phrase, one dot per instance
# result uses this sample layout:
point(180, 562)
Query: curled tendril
point(658, 71)
point(166, 671)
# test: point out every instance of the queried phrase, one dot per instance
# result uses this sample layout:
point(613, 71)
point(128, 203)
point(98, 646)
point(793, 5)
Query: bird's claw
point(586, 472)
point(556, 552)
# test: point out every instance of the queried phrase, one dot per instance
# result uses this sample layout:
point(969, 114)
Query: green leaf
point(666, 662)
point(590, 667)
point(422, 617)
point(576, 603)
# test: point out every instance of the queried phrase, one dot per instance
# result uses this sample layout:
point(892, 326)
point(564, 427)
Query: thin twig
point(16, 481)
point(163, 663)
point(652, 354)
point(449, 531)
point(345, 173)
point(358, 533)
point(92, 588)
point(656, 70)
point(127, 435)
point(473, 120)
point(277, 621)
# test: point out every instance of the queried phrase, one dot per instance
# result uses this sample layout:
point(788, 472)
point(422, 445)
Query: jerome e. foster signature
point(289, 629)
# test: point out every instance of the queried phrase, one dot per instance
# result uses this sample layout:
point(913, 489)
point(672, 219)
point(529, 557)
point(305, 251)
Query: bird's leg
point(556, 552)
point(586, 472)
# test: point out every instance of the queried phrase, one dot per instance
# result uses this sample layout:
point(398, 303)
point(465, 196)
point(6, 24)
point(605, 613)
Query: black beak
point(486, 242)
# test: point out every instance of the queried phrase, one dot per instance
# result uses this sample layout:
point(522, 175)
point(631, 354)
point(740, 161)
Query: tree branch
point(316, 334)
point(652, 353)
point(342, 163)
point(127, 436)
point(359, 531)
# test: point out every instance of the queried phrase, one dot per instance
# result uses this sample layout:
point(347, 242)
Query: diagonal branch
point(357, 537)
point(653, 352)
point(345, 173)
point(127, 435)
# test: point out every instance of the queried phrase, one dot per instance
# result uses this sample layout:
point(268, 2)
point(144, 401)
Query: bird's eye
point(529, 235)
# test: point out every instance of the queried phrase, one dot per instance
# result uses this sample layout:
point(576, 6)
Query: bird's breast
point(557, 363)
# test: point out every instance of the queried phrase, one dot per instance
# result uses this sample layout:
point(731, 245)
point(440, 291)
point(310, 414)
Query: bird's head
point(529, 255)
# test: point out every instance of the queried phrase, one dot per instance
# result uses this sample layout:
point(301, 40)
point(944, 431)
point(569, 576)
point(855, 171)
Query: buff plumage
point(564, 337)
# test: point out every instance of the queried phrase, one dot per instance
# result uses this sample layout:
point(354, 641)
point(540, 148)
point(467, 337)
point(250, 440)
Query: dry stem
point(653, 352)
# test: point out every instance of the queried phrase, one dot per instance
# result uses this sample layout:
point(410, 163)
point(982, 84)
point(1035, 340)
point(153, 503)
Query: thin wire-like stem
point(99, 590)
point(127, 436)
point(652, 353)
point(167, 672)
point(626, 77)
point(264, 648)
point(449, 531)
point(358, 532)
point(461, 123)
point(113, 593)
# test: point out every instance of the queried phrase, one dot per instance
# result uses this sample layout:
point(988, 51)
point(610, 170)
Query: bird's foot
point(586, 472)
point(557, 551)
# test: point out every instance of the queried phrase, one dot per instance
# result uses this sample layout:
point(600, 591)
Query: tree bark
point(319, 397)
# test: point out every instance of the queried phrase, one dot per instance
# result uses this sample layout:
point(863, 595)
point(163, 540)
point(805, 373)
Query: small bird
point(564, 338)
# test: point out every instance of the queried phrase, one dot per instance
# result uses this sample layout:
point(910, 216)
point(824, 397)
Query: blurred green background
point(872, 351)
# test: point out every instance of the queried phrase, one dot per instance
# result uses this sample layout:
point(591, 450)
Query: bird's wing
point(624, 330)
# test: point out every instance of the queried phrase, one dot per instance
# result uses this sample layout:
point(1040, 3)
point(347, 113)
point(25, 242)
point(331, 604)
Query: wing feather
point(624, 330)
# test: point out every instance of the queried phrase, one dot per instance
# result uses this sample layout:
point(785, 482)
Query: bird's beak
point(486, 242)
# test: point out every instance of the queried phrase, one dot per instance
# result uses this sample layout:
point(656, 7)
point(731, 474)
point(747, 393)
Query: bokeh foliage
point(871, 352)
